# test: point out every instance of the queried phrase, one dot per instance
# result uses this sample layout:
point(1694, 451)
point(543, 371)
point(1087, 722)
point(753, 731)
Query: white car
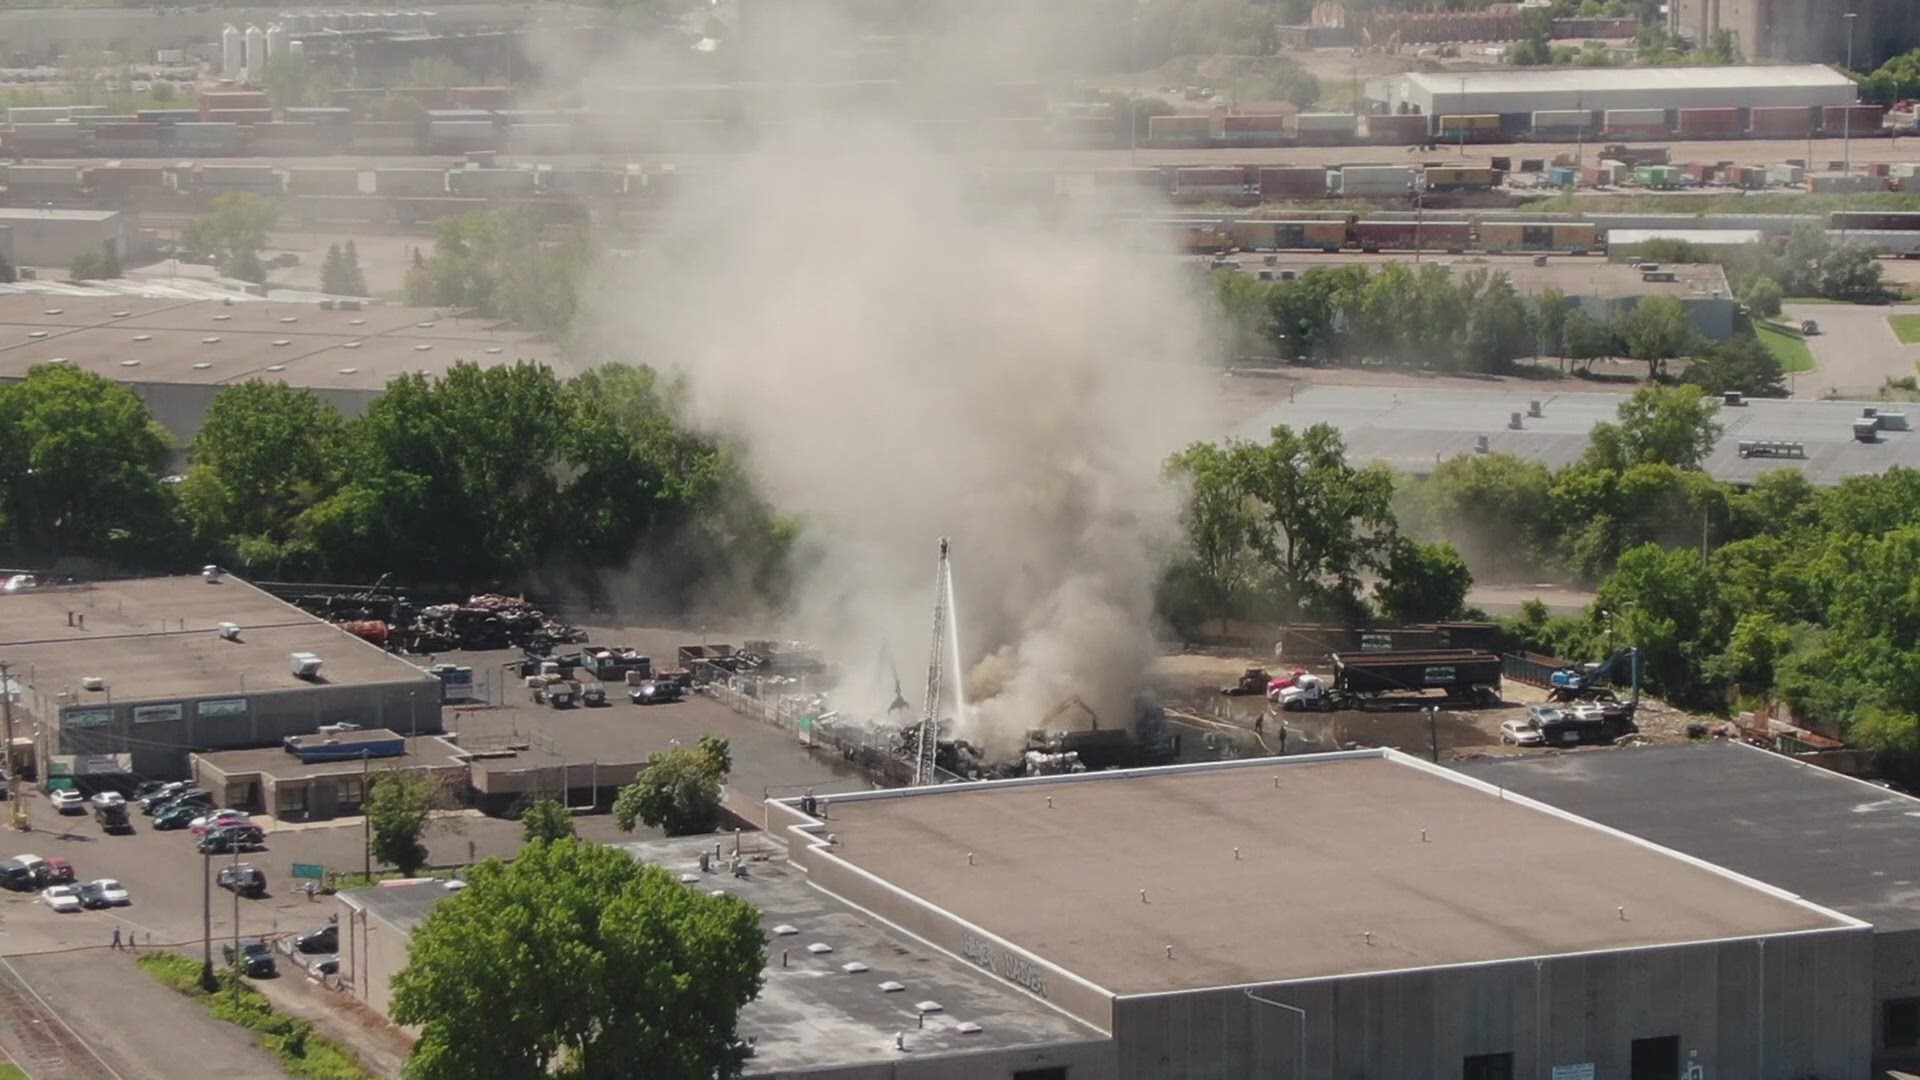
point(109, 798)
point(221, 817)
point(104, 892)
point(67, 801)
point(1522, 733)
point(61, 898)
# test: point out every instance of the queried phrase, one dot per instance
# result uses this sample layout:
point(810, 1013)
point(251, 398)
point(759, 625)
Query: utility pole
point(236, 907)
point(1433, 732)
point(16, 817)
point(366, 819)
point(1846, 124)
point(206, 921)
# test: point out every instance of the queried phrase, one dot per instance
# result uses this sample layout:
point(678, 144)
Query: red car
point(59, 872)
point(220, 820)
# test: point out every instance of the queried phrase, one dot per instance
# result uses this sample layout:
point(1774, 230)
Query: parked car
point(57, 871)
point(107, 798)
point(231, 838)
point(157, 798)
point(104, 892)
point(149, 787)
point(67, 801)
point(177, 817)
point(218, 819)
point(320, 939)
point(1809, 328)
point(254, 957)
point(112, 817)
point(655, 693)
point(1522, 733)
point(23, 873)
point(243, 878)
point(61, 898)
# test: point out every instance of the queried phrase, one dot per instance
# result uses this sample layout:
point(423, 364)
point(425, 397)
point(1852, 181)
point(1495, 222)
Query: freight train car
point(409, 210)
point(1310, 235)
point(1875, 220)
point(343, 209)
point(1397, 128)
point(1449, 236)
point(1577, 237)
point(1455, 178)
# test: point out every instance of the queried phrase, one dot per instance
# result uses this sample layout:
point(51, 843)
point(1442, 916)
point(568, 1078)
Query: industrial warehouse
point(129, 677)
point(1377, 934)
point(1600, 90)
point(1837, 841)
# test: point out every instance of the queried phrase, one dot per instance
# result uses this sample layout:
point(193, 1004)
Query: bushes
point(302, 1053)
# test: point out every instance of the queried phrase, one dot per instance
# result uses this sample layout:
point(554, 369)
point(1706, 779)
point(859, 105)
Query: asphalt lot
point(1855, 351)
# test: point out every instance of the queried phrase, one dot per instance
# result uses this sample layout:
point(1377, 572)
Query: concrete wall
point(1896, 974)
point(1712, 316)
point(1083, 1061)
point(54, 241)
point(160, 746)
point(372, 952)
point(1787, 1007)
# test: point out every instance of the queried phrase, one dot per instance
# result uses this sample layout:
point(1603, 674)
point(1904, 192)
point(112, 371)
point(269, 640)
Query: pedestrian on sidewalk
point(116, 937)
point(133, 940)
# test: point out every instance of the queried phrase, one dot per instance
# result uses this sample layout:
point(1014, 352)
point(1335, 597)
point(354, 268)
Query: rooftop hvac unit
point(1865, 430)
point(212, 574)
point(1533, 408)
point(1733, 397)
point(229, 631)
point(304, 665)
point(92, 682)
point(1892, 421)
point(1482, 444)
point(1513, 421)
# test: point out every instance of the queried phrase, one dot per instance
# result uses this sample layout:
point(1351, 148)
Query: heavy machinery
point(1361, 679)
point(1590, 687)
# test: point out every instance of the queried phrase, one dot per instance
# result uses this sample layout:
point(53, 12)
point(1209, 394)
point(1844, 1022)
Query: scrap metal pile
point(484, 621)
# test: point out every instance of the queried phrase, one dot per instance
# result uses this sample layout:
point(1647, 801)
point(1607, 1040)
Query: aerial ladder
point(929, 736)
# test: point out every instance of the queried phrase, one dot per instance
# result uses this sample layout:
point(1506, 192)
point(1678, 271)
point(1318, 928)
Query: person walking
point(116, 937)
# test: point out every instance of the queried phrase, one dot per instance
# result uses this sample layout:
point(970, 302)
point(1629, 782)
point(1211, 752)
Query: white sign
point(85, 718)
point(154, 714)
point(1573, 1072)
point(224, 707)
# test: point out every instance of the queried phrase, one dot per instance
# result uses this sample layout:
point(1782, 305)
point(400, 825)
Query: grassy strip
point(10, 1071)
point(302, 1053)
point(1905, 327)
point(1786, 344)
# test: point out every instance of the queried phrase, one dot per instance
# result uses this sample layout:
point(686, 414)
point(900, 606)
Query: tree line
point(506, 474)
point(1776, 592)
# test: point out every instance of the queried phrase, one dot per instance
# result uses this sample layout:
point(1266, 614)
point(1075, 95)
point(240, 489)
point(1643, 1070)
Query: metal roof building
point(1415, 428)
point(1526, 91)
point(1837, 841)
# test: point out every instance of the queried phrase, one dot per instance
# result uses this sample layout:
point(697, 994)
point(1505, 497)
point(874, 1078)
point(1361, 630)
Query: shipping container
point(1416, 235)
point(1081, 131)
point(1180, 129)
point(1501, 236)
point(384, 137)
point(1786, 174)
point(1188, 237)
point(1306, 181)
point(1313, 235)
point(1779, 120)
point(166, 116)
point(1209, 178)
point(211, 100)
point(206, 138)
point(320, 114)
point(1397, 128)
point(1563, 176)
point(1596, 176)
point(482, 97)
point(1845, 184)
point(293, 137)
point(1374, 180)
point(38, 114)
point(582, 183)
point(323, 181)
point(460, 136)
point(41, 179)
point(1572, 120)
point(1856, 119)
point(1707, 123)
point(1452, 178)
point(61, 133)
point(238, 116)
point(425, 210)
point(492, 183)
point(1265, 122)
point(429, 97)
point(1325, 123)
point(1620, 119)
point(1875, 220)
point(1252, 235)
point(124, 179)
point(343, 209)
point(260, 179)
point(410, 182)
point(135, 131)
point(1143, 179)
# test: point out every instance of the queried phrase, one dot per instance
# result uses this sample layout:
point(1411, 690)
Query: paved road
point(1856, 350)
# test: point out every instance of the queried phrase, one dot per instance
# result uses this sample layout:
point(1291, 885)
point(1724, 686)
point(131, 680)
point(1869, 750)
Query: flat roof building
point(1360, 913)
point(132, 676)
point(1527, 90)
point(1839, 842)
point(37, 237)
point(178, 353)
point(275, 781)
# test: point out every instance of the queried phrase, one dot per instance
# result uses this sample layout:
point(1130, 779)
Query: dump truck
point(1360, 679)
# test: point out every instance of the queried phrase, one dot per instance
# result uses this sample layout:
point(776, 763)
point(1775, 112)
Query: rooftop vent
point(278, 342)
point(304, 665)
point(494, 350)
point(92, 682)
point(423, 348)
point(210, 341)
point(212, 574)
point(853, 967)
point(927, 1006)
point(129, 363)
point(819, 948)
point(200, 366)
point(143, 337)
point(276, 367)
point(121, 314)
point(783, 930)
point(891, 987)
point(36, 333)
point(1734, 398)
point(229, 631)
point(221, 318)
point(424, 325)
point(969, 1028)
point(289, 319)
point(56, 311)
point(356, 322)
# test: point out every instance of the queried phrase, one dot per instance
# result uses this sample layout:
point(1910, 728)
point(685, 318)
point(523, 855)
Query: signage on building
point(1583, 1071)
point(89, 764)
point(309, 870)
point(77, 719)
point(223, 707)
point(1014, 968)
point(154, 714)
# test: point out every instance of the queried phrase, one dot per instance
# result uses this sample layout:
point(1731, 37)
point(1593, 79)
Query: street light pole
point(1846, 123)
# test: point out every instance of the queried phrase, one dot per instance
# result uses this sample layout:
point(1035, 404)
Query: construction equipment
point(1592, 685)
point(1253, 681)
point(926, 749)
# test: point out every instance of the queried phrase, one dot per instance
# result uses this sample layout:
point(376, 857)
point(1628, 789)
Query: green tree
point(1586, 338)
point(396, 809)
point(1499, 330)
point(162, 92)
point(1324, 524)
point(576, 960)
point(1764, 296)
point(245, 265)
point(1550, 321)
point(109, 260)
point(1850, 272)
point(1674, 426)
point(546, 821)
point(678, 791)
point(1423, 582)
point(8, 275)
point(264, 456)
point(1220, 519)
point(1656, 330)
point(81, 463)
point(1490, 507)
point(332, 276)
point(234, 226)
point(354, 278)
point(1740, 363)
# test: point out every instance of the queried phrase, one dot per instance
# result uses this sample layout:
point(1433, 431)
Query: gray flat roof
point(1839, 842)
point(1413, 428)
point(1544, 80)
point(152, 339)
point(402, 906)
point(424, 752)
point(811, 1013)
point(1287, 869)
point(14, 213)
point(156, 638)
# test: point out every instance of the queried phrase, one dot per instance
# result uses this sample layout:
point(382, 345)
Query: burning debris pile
point(483, 621)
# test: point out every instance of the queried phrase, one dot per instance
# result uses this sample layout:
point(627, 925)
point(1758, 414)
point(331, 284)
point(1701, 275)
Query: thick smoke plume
point(903, 358)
